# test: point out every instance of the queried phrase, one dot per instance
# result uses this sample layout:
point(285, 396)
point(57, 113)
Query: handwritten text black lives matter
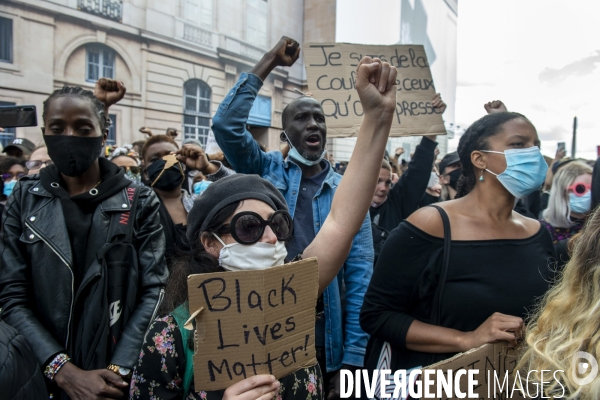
point(331, 70)
point(256, 322)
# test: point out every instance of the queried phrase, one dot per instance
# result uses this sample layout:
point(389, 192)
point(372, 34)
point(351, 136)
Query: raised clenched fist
point(109, 91)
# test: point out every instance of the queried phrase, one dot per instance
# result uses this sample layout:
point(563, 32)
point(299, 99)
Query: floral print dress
point(159, 372)
point(559, 234)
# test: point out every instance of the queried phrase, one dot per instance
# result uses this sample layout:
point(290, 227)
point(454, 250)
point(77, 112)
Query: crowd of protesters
point(421, 259)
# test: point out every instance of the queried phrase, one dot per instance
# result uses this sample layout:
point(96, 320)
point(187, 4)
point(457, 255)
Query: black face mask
point(73, 155)
point(454, 177)
point(169, 180)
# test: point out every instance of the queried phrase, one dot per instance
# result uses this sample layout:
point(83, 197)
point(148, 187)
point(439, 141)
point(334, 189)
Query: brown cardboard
point(487, 359)
point(233, 327)
point(331, 74)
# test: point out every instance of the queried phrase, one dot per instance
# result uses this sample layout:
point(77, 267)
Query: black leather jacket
point(21, 377)
point(36, 279)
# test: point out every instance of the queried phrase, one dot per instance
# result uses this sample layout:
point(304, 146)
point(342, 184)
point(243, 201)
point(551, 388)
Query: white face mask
point(243, 257)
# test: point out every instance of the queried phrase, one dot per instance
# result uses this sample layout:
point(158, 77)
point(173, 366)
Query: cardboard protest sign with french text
point(331, 75)
point(253, 322)
point(496, 377)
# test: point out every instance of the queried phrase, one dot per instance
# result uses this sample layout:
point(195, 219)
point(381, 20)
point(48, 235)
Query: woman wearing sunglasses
point(128, 160)
point(569, 204)
point(242, 222)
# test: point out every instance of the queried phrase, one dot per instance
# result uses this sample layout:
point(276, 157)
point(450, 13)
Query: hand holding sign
point(497, 327)
point(438, 103)
point(331, 70)
point(376, 87)
point(259, 387)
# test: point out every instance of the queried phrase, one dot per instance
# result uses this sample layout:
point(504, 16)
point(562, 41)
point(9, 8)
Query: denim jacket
point(345, 341)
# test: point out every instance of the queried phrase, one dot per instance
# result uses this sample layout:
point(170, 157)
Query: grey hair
point(558, 212)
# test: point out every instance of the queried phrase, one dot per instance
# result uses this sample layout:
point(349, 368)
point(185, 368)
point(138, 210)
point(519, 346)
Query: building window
point(256, 22)
point(110, 9)
point(100, 63)
point(199, 12)
point(196, 110)
point(112, 130)
point(6, 40)
point(8, 135)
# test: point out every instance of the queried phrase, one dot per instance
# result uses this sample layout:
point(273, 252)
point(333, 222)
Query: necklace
point(93, 191)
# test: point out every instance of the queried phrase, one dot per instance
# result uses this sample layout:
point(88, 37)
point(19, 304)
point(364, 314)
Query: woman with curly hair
point(567, 322)
point(437, 291)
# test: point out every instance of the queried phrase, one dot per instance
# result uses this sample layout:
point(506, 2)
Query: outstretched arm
point(229, 123)
point(376, 88)
point(413, 182)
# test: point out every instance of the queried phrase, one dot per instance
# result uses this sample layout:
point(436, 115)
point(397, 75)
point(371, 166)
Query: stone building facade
point(177, 58)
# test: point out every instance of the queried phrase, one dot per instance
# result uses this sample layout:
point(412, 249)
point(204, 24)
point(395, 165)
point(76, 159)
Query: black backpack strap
point(121, 223)
point(437, 299)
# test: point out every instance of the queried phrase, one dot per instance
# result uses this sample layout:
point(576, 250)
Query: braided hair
point(475, 138)
point(76, 91)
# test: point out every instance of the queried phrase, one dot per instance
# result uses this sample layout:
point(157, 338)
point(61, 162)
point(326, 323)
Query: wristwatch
point(123, 372)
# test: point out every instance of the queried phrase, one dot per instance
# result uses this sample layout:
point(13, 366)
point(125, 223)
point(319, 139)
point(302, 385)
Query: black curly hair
point(475, 138)
point(77, 91)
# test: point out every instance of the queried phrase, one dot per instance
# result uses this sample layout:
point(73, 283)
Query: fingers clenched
point(377, 72)
point(383, 77)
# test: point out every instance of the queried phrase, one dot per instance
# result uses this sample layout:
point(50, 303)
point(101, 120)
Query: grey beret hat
point(226, 191)
point(449, 159)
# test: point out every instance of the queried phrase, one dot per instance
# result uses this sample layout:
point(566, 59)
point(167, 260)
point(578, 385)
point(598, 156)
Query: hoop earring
point(481, 176)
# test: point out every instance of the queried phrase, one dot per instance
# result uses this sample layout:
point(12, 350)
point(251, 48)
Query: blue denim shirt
point(345, 342)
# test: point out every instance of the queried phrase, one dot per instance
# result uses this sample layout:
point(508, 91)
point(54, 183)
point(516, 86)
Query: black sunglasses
point(247, 227)
point(134, 170)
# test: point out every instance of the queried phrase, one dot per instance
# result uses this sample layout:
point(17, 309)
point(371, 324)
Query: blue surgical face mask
point(294, 154)
point(8, 187)
point(525, 171)
point(201, 186)
point(580, 204)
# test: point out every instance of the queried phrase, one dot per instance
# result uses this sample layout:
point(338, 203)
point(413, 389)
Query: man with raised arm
point(308, 184)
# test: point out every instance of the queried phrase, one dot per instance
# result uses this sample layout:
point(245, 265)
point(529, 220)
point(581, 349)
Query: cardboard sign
point(253, 322)
point(496, 380)
point(331, 74)
point(211, 144)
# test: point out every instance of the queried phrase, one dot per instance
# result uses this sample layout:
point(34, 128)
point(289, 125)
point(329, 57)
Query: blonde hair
point(386, 165)
point(568, 320)
point(558, 212)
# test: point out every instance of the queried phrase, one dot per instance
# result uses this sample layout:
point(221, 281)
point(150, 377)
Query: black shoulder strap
point(121, 223)
point(437, 299)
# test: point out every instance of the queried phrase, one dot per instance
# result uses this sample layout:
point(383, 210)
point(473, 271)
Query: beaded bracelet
point(55, 365)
